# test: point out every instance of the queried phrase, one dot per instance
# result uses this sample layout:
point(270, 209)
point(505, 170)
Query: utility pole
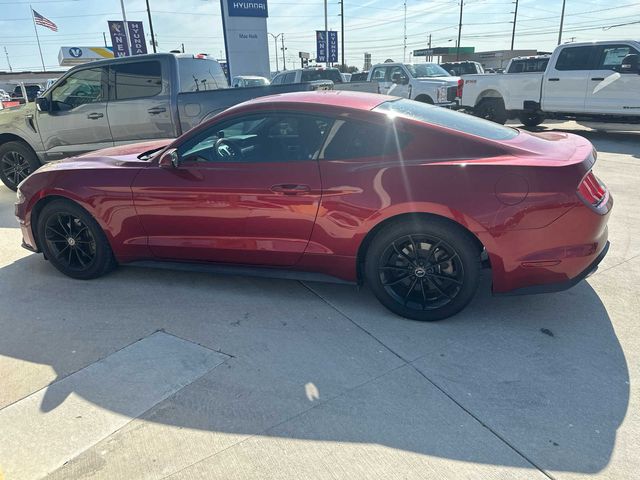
point(430, 57)
point(275, 42)
point(344, 62)
point(459, 31)
point(284, 60)
point(126, 27)
point(104, 37)
point(153, 37)
point(182, 45)
point(326, 35)
point(515, 19)
point(8, 62)
point(404, 54)
point(564, 3)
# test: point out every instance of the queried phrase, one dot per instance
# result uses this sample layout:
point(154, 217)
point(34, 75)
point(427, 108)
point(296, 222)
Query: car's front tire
point(73, 241)
point(17, 162)
point(423, 269)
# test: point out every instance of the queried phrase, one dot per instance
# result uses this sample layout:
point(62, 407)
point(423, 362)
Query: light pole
point(515, 19)
point(564, 4)
point(275, 41)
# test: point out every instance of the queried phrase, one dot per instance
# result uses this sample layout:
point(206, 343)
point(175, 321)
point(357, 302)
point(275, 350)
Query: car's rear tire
point(17, 162)
point(73, 241)
point(424, 99)
point(531, 119)
point(423, 269)
point(492, 109)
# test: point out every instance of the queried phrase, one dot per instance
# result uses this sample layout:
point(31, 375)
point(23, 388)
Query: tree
point(347, 69)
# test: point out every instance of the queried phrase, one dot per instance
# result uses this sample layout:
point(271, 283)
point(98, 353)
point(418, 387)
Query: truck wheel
point(424, 99)
point(17, 162)
point(492, 109)
point(531, 119)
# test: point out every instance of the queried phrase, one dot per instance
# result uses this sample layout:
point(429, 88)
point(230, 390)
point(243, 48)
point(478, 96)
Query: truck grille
point(451, 93)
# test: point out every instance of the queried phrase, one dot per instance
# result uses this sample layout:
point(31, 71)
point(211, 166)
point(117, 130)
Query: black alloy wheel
point(70, 241)
point(17, 162)
point(421, 272)
point(423, 269)
point(73, 241)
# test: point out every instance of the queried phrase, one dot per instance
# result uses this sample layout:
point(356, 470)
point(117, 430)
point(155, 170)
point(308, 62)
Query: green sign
point(427, 52)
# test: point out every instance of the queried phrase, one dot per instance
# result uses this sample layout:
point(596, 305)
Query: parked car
point(114, 102)
point(321, 75)
point(4, 96)
point(459, 69)
point(346, 77)
point(359, 76)
point(534, 63)
point(596, 81)
point(32, 92)
point(410, 198)
point(424, 82)
point(244, 81)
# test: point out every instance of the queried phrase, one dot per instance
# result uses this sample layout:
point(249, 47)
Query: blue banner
point(137, 39)
point(322, 48)
point(118, 38)
point(247, 8)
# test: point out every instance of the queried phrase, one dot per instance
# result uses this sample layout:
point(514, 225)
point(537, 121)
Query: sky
point(373, 26)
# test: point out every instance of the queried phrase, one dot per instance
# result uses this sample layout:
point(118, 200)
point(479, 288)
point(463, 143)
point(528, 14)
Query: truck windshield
point(426, 70)
point(446, 118)
point(328, 74)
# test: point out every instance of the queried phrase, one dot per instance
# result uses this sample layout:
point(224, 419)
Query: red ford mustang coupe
point(410, 198)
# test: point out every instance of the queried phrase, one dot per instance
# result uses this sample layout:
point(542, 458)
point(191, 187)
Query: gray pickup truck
point(119, 101)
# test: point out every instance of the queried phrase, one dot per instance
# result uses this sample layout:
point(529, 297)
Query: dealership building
point(489, 59)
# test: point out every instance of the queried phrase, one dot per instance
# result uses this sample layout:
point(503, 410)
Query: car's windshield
point(426, 70)
point(321, 74)
point(447, 118)
point(256, 82)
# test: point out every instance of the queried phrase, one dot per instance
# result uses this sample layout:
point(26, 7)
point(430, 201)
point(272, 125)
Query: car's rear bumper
point(552, 258)
point(565, 285)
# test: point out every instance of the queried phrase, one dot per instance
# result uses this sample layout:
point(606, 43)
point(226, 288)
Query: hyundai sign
point(253, 8)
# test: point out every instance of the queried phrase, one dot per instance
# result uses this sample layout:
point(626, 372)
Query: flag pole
point(35, 28)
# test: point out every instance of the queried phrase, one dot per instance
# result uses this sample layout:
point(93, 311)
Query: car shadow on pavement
point(542, 377)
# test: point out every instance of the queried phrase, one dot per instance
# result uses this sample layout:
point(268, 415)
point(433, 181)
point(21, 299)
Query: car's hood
point(449, 81)
point(124, 156)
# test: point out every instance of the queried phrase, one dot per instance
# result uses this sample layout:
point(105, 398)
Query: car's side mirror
point(169, 159)
point(630, 64)
point(43, 103)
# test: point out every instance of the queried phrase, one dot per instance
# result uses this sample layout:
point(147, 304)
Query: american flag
point(45, 22)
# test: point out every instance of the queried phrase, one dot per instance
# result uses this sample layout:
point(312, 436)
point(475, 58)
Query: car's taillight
point(460, 85)
point(592, 191)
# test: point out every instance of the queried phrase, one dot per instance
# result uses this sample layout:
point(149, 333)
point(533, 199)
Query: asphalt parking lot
point(162, 374)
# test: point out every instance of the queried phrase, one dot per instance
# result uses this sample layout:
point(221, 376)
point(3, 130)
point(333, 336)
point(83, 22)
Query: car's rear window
point(329, 74)
point(447, 118)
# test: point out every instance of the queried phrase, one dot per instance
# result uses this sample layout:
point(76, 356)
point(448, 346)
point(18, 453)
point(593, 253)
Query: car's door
point(77, 120)
point(402, 88)
point(246, 191)
point(379, 75)
point(139, 101)
point(611, 92)
point(566, 81)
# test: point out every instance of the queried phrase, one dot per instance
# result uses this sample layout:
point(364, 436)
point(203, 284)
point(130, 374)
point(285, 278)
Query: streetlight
point(275, 40)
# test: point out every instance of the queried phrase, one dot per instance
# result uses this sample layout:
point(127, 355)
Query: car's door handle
point(598, 79)
point(156, 110)
point(291, 189)
point(95, 115)
point(554, 79)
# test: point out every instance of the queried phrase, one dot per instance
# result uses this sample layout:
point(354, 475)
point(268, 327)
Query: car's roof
point(249, 77)
point(333, 98)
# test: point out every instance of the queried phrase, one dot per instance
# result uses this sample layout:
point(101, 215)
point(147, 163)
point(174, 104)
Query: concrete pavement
point(320, 381)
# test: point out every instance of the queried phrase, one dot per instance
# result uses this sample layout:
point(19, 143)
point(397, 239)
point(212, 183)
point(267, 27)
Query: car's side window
point(575, 58)
point(612, 56)
point(258, 138)
point(289, 77)
point(378, 74)
point(79, 88)
point(136, 80)
point(353, 139)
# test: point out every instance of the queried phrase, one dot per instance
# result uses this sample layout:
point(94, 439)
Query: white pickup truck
point(424, 82)
point(595, 81)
